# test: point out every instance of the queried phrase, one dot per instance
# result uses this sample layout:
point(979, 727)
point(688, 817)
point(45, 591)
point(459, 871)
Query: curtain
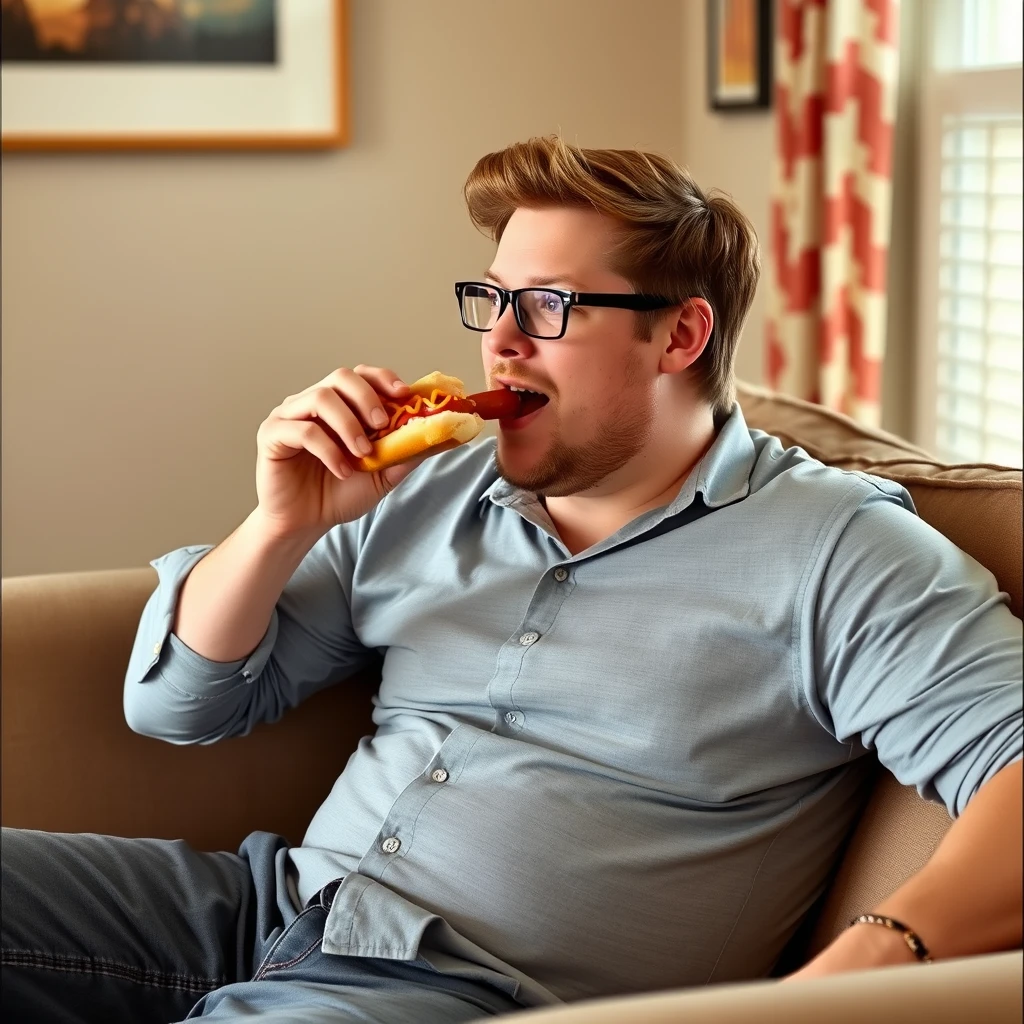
point(836, 68)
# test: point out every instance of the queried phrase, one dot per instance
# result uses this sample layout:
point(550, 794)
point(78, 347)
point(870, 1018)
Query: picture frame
point(278, 80)
point(739, 54)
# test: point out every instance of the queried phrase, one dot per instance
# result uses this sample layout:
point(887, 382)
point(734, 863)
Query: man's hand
point(305, 480)
point(966, 900)
point(306, 485)
point(857, 949)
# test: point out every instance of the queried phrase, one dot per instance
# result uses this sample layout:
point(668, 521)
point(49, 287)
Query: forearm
point(227, 600)
point(966, 900)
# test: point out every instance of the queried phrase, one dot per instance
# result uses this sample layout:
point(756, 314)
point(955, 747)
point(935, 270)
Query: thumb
point(391, 477)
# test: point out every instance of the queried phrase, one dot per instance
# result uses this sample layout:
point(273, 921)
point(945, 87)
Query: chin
point(548, 473)
point(557, 469)
point(516, 462)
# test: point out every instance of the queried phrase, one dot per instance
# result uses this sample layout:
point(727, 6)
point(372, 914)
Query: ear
point(688, 336)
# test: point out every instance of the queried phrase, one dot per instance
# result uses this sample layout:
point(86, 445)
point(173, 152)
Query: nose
point(504, 340)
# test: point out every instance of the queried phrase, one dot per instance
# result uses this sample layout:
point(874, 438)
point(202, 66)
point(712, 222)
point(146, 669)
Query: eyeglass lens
point(540, 312)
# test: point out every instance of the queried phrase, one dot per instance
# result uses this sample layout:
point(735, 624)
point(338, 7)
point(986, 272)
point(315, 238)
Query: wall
point(157, 307)
point(733, 152)
point(899, 377)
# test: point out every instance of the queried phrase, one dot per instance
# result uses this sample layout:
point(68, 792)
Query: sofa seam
point(767, 395)
point(830, 459)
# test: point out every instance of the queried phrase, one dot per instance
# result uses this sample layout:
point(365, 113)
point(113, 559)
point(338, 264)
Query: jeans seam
point(108, 968)
point(265, 962)
point(264, 971)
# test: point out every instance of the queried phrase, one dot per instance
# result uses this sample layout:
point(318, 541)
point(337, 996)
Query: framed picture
point(739, 54)
point(173, 74)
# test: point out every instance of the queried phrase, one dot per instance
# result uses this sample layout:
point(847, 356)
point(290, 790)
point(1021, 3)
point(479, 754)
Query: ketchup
point(488, 405)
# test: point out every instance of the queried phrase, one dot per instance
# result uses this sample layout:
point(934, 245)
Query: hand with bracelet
point(966, 900)
point(858, 948)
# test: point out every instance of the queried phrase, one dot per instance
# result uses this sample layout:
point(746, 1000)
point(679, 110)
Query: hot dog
point(437, 412)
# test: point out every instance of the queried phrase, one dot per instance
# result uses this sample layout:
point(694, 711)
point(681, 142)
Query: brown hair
point(677, 241)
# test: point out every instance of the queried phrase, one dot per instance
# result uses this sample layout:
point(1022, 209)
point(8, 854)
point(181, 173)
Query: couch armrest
point(979, 988)
point(71, 764)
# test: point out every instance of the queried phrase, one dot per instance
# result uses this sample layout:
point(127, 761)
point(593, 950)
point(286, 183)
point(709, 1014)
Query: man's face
point(599, 379)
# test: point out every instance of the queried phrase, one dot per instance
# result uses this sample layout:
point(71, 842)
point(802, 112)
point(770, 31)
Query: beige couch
point(71, 764)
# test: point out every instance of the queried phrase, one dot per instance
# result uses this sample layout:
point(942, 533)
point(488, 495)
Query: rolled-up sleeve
point(173, 693)
point(916, 655)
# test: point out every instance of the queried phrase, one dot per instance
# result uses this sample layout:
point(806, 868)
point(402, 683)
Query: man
point(637, 660)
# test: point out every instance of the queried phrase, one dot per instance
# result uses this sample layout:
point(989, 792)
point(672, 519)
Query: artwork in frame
point(739, 54)
point(173, 74)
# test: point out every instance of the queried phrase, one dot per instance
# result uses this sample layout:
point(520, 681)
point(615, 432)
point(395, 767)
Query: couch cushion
point(978, 507)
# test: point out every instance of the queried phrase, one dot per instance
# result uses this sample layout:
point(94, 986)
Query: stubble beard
point(566, 469)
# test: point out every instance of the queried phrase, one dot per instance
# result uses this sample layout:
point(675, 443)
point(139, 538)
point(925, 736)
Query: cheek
point(588, 404)
point(608, 397)
point(584, 383)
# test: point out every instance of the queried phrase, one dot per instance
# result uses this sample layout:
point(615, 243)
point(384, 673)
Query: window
point(972, 233)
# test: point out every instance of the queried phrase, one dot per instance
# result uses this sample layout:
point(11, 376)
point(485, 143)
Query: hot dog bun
point(449, 385)
point(422, 433)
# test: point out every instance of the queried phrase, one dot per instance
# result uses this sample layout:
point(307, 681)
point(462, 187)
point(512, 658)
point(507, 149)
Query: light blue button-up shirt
point(625, 769)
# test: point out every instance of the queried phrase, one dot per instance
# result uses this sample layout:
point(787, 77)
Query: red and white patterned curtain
point(836, 65)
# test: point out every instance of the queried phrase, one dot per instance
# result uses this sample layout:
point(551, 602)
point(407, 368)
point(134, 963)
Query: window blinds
point(980, 316)
point(969, 393)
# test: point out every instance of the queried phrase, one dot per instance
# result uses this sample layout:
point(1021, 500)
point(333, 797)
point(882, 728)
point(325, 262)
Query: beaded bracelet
point(910, 937)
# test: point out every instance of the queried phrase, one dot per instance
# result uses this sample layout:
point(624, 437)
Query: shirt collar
point(722, 475)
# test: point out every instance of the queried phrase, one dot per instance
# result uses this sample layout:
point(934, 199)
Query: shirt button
point(156, 648)
point(439, 775)
point(247, 675)
point(390, 845)
point(510, 717)
point(529, 638)
point(561, 575)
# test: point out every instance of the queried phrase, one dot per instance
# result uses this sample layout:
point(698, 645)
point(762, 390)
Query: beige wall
point(732, 152)
point(156, 307)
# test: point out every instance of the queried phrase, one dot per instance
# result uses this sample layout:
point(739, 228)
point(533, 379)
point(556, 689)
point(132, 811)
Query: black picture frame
point(721, 96)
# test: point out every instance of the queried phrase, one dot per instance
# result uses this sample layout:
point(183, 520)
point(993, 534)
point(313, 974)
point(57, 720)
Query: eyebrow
point(539, 282)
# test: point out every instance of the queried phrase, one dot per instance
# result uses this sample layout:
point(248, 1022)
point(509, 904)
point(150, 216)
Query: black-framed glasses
point(539, 312)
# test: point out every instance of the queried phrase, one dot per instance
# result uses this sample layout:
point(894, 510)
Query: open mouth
point(530, 402)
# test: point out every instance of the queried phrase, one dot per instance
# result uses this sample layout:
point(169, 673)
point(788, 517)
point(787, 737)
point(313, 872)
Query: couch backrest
point(978, 507)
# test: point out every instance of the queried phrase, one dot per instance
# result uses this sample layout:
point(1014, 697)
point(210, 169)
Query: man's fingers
point(331, 420)
point(360, 389)
point(325, 404)
point(391, 477)
point(362, 394)
point(384, 380)
point(284, 439)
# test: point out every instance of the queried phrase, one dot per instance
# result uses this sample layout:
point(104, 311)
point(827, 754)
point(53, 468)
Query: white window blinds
point(972, 235)
point(980, 339)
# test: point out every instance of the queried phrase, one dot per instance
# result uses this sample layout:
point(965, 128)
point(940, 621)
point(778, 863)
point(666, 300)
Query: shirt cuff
point(162, 655)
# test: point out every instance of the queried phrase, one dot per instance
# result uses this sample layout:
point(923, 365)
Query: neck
point(651, 479)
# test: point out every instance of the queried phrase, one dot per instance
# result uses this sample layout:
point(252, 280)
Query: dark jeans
point(97, 928)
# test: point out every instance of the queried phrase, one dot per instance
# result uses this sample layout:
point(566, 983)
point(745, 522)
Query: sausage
point(495, 405)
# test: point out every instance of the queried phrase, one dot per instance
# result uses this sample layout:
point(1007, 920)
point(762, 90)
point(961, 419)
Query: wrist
point(872, 945)
point(271, 536)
